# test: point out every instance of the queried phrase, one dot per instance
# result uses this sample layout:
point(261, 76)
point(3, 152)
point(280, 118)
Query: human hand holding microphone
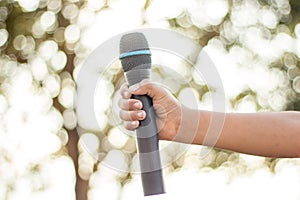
point(140, 113)
point(179, 123)
point(268, 134)
point(167, 108)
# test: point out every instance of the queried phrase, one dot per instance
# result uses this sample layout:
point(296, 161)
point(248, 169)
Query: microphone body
point(136, 63)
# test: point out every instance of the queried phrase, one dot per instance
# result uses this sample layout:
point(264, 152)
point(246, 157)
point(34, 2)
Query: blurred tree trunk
point(81, 187)
point(14, 11)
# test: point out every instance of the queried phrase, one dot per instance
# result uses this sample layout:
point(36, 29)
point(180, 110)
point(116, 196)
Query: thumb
point(146, 87)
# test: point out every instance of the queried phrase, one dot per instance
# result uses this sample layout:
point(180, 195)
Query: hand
point(167, 108)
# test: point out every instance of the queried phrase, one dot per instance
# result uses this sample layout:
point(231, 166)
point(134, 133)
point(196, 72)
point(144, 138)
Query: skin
point(269, 134)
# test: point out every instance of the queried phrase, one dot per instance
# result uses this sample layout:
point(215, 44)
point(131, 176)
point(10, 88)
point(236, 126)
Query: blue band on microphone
point(135, 53)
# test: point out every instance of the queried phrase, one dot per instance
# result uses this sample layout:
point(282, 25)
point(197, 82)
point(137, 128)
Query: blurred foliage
point(43, 44)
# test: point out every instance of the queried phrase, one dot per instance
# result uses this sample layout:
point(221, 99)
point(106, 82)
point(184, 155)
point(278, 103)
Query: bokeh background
point(255, 45)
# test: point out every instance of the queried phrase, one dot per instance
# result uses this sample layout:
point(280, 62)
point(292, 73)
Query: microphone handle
point(147, 140)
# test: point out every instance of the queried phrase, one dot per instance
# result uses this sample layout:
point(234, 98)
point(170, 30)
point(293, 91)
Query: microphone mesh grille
point(133, 42)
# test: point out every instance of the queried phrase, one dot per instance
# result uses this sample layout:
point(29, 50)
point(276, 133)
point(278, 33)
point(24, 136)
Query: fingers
point(146, 87)
point(135, 115)
point(131, 125)
point(141, 88)
point(130, 104)
point(124, 91)
point(131, 111)
point(132, 118)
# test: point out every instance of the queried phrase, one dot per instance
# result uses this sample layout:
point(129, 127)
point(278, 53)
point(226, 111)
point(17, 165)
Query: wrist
point(188, 126)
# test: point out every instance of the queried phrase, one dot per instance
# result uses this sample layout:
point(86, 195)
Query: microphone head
point(134, 52)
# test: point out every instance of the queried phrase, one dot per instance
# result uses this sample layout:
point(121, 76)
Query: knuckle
point(124, 86)
point(124, 92)
point(122, 104)
point(127, 115)
point(132, 115)
point(129, 126)
point(122, 115)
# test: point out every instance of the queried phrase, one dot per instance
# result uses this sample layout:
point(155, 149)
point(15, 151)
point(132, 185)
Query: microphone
point(135, 57)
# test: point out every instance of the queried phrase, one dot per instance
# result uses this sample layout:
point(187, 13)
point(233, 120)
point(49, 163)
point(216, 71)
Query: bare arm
point(269, 134)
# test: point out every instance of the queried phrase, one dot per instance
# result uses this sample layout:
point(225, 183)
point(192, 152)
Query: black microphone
point(135, 57)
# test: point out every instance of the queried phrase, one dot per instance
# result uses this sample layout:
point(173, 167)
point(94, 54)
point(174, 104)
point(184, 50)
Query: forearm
point(270, 134)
